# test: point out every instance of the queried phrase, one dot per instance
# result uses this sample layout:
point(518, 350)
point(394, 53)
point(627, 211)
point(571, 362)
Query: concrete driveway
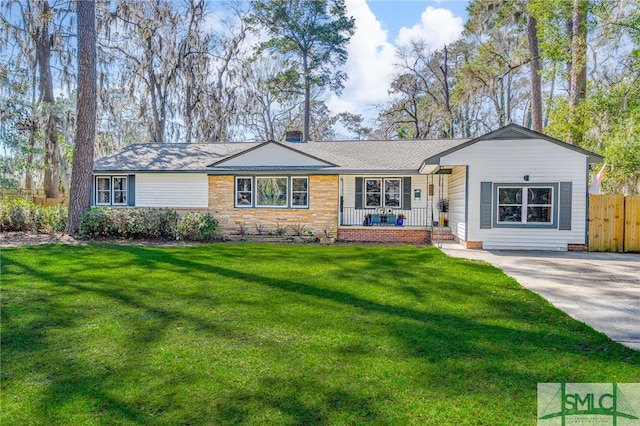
point(599, 289)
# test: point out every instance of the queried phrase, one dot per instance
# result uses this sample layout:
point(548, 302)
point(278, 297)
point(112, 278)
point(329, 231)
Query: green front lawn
point(281, 334)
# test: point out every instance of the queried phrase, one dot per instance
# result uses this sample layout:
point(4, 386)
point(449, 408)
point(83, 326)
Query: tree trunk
point(447, 92)
point(534, 69)
point(578, 75)
point(307, 98)
point(28, 179)
point(188, 107)
point(81, 177)
point(42, 39)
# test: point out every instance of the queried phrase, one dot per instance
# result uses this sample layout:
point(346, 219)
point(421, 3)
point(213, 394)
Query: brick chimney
point(294, 136)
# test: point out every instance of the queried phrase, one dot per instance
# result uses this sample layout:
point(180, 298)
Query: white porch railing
point(417, 217)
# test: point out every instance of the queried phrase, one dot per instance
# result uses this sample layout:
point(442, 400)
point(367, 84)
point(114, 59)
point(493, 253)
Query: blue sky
point(395, 14)
point(383, 26)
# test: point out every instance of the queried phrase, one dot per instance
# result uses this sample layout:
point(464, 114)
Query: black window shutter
point(358, 202)
point(131, 190)
point(564, 222)
point(406, 193)
point(485, 205)
point(94, 191)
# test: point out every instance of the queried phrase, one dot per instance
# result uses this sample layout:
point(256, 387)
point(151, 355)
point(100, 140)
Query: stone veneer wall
point(321, 215)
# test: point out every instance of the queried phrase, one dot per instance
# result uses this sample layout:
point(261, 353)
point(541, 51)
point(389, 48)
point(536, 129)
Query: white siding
point(508, 161)
point(272, 155)
point(348, 190)
point(417, 182)
point(457, 201)
point(172, 190)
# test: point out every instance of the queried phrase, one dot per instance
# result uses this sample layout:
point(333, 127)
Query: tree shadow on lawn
point(480, 353)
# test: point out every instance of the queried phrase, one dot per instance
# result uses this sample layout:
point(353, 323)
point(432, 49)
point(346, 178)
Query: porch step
point(443, 235)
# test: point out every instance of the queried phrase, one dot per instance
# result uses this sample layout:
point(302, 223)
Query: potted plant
point(443, 205)
point(367, 219)
point(400, 219)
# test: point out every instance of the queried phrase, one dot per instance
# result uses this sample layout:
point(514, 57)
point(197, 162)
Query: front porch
point(373, 225)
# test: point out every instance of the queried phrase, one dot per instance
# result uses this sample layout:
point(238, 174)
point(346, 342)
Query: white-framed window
point(382, 192)
point(373, 192)
point(272, 191)
point(525, 205)
point(392, 192)
point(299, 192)
point(244, 192)
point(111, 190)
point(119, 190)
point(103, 191)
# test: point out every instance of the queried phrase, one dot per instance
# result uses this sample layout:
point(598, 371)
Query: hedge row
point(21, 215)
point(150, 223)
point(153, 223)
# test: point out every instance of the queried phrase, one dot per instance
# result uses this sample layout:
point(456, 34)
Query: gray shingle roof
point(353, 156)
point(347, 155)
point(378, 155)
point(168, 157)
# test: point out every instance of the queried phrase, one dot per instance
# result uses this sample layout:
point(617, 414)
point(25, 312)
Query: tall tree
point(563, 29)
point(353, 123)
point(42, 37)
point(535, 73)
point(218, 88)
point(578, 72)
point(80, 193)
point(149, 42)
point(268, 107)
point(313, 34)
point(40, 33)
point(496, 69)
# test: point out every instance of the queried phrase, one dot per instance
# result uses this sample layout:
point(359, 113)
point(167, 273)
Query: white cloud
point(372, 56)
point(437, 27)
point(215, 21)
point(370, 63)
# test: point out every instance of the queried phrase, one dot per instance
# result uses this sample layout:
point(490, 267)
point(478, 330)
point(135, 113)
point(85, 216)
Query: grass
point(281, 334)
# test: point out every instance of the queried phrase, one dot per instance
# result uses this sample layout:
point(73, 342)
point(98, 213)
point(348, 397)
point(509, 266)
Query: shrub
point(16, 215)
point(24, 216)
point(95, 222)
point(197, 227)
point(129, 223)
point(157, 223)
point(51, 218)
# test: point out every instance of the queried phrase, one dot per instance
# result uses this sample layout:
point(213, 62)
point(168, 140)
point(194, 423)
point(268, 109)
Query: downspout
point(466, 202)
point(340, 201)
point(586, 219)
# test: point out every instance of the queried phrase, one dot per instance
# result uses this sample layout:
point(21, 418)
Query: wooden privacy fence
point(614, 223)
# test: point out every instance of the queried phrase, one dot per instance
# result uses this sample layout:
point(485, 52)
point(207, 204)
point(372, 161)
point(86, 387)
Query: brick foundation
point(471, 245)
point(474, 245)
point(381, 235)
